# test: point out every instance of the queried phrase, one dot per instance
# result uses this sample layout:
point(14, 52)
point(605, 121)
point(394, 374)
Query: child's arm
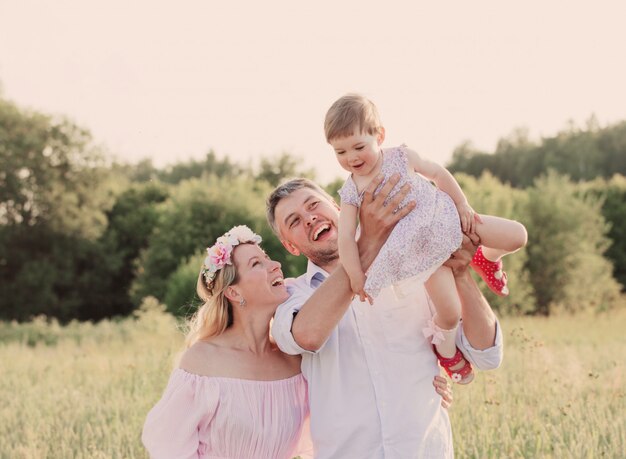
point(447, 183)
point(348, 250)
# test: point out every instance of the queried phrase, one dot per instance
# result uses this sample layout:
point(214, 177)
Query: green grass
point(559, 392)
point(83, 390)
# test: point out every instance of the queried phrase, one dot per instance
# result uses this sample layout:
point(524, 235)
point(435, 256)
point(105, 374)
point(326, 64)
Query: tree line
point(83, 237)
point(581, 153)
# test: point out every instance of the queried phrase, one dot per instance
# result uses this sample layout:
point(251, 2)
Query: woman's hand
point(442, 387)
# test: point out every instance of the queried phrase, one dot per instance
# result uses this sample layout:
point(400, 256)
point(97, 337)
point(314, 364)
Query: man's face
point(307, 223)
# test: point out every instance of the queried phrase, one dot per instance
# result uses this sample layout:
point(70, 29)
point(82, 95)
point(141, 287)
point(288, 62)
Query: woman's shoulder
point(214, 359)
point(201, 359)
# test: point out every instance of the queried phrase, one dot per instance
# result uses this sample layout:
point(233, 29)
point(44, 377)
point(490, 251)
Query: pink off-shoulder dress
point(213, 417)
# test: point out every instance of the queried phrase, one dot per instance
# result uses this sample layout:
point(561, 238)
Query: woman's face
point(260, 280)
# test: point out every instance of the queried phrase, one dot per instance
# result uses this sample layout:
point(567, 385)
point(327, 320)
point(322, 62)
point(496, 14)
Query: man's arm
point(479, 320)
point(324, 309)
point(479, 336)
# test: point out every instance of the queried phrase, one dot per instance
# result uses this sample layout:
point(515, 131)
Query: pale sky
point(171, 80)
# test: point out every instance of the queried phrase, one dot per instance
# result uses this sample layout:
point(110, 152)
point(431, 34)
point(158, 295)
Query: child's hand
point(468, 217)
point(357, 284)
point(363, 296)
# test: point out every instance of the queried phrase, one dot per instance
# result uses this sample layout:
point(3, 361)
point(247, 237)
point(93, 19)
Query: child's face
point(358, 153)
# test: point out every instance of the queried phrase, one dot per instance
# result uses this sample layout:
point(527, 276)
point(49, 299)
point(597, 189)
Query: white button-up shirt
point(370, 384)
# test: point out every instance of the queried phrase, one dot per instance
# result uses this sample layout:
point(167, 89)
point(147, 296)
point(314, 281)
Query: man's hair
point(352, 113)
point(284, 190)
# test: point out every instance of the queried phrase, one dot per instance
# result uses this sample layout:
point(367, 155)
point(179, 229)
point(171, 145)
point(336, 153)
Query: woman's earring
point(242, 302)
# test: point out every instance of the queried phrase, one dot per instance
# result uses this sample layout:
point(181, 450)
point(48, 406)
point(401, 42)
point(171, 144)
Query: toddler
point(424, 239)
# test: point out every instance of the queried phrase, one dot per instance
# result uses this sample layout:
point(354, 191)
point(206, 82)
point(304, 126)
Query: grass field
point(83, 390)
point(559, 393)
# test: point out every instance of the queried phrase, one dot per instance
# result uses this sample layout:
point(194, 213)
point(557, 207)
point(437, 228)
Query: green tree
point(285, 166)
point(49, 174)
point(567, 240)
point(613, 195)
point(488, 195)
point(612, 141)
point(131, 221)
point(581, 153)
point(333, 189)
point(210, 165)
point(53, 197)
point(180, 292)
point(41, 270)
point(196, 214)
point(143, 171)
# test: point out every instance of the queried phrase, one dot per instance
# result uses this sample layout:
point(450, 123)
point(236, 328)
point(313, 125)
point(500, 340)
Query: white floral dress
point(422, 240)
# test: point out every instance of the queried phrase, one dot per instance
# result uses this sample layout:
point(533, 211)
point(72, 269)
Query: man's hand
point(442, 387)
point(460, 260)
point(377, 218)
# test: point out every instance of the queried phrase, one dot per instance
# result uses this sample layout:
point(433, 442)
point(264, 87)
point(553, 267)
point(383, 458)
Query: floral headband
point(219, 254)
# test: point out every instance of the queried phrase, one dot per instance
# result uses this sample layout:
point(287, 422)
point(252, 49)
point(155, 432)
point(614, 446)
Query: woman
point(234, 395)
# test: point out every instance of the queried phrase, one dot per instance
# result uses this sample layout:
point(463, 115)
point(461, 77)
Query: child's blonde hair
point(350, 114)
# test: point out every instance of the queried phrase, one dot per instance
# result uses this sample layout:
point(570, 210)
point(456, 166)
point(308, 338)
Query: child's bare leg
point(500, 236)
point(441, 288)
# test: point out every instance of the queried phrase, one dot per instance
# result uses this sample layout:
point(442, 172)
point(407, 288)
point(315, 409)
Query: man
point(369, 367)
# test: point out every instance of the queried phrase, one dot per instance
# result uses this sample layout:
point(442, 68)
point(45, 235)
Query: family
point(343, 361)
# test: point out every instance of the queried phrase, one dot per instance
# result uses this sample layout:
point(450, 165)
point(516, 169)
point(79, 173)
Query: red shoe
point(463, 375)
point(491, 272)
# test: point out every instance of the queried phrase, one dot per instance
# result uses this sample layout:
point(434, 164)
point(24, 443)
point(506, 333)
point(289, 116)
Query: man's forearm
point(479, 321)
point(324, 309)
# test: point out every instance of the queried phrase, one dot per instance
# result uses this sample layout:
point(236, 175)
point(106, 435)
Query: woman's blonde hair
point(216, 314)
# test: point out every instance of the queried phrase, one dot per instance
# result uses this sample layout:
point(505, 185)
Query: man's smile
point(320, 230)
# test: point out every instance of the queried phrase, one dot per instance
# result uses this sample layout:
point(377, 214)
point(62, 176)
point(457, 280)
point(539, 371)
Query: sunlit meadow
point(83, 390)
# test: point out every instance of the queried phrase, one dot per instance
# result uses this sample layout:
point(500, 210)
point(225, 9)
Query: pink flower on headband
point(219, 255)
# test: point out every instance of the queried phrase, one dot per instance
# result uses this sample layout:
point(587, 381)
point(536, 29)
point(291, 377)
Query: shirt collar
point(314, 273)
